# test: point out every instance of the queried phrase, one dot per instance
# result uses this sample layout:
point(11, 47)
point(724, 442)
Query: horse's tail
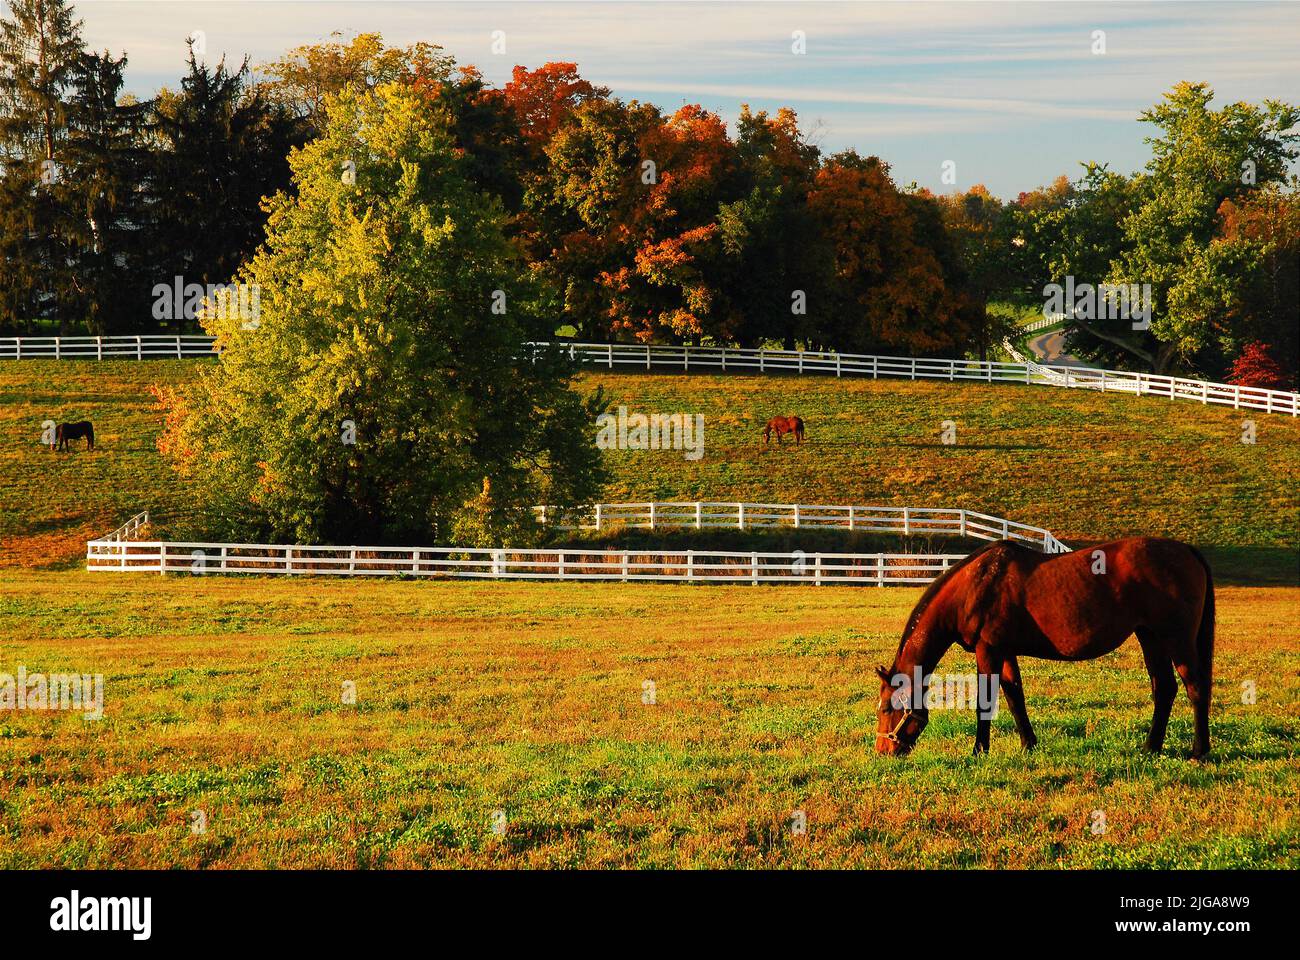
point(1205, 636)
point(90, 434)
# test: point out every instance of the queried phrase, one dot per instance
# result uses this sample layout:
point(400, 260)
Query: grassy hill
point(1086, 466)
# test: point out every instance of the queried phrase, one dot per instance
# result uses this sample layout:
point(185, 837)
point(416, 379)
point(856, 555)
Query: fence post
point(952, 370)
point(907, 523)
point(1205, 391)
point(647, 356)
point(914, 368)
point(652, 515)
point(99, 348)
point(762, 353)
point(753, 568)
point(686, 356)
point(162, 558)
point(880, 569)
point(1005, 529)
point(1067, 376)
point(559, 569)
point(598, 516)
point(625, 566)
point(796, 516)
point(875, 367)
point(741, 508)
point(223, 558)
point(837, 364)
point(1103, 381)
point(1236, 396)
point(699, 516)
point(58, 348)
point(801, 361)
point(690, 566)
point(817, 569)
point(611, 356)
point(288, 559)
point(850, 516)
point(178, 347)
point(139, 348)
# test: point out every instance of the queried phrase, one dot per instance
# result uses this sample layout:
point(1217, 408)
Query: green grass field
point(1086, 466)
point(225, 696)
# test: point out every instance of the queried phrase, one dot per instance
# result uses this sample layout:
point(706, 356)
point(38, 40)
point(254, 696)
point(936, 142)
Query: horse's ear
point(882, 673)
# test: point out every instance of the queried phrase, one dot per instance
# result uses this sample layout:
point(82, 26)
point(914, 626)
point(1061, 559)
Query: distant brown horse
point(65, 432)
point(782, 426)
point(1007, 600)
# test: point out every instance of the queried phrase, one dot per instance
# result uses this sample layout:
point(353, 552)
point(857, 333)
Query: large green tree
point(382, 394)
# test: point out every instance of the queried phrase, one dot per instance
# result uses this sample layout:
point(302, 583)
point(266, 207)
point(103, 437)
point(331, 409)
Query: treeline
point(640, 224)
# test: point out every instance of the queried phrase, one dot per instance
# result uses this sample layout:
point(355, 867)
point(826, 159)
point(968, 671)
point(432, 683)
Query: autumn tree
point(888, 289)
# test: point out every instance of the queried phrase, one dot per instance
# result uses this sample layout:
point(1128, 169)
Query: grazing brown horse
point(65, 432)
point(782, 426)
point(1005, 601)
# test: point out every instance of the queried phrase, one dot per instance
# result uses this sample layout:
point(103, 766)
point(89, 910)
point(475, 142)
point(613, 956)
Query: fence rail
point(145, 346)
point(682, 566)
point(908, 521)
point(687, 358)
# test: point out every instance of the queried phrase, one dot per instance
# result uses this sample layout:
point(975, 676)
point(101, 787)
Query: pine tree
point(40, 52)
point(106, 168)
point(224, 146)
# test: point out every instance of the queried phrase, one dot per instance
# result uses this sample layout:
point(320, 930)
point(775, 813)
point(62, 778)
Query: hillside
point(1086, 466)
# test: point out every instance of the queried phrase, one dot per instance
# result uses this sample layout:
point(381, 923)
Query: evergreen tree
point(40, 53)
point(223, 147)
point(106, 170)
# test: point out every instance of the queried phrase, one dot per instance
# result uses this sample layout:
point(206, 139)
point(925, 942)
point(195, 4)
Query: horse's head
point(901, 718)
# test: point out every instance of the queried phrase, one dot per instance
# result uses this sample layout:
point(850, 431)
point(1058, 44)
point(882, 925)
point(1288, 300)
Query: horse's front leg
point(1015, 692)
point(989, 663)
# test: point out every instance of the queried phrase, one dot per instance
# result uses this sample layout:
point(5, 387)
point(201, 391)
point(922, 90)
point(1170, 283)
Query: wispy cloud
point(989, 82)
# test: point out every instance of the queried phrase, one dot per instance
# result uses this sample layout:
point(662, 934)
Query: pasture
point(1087, 467)
point(224, 695)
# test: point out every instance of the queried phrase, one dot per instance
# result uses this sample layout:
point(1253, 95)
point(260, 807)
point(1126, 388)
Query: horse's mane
point(935, 586)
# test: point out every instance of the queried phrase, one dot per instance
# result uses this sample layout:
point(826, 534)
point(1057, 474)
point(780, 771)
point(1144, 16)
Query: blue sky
point(1012, 93)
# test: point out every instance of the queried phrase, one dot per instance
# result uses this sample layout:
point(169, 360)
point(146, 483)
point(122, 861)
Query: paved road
point(1050, 348)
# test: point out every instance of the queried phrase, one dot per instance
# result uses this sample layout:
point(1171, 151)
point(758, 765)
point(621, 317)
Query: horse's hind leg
point(1164, 687)
point(1015, 692)
point(1198, 691)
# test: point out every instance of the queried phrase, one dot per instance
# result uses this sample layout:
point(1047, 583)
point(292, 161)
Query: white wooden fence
point(687, 358)
point(908, 521)
point(1043, 322)
point(145, 346)
point(684, 566)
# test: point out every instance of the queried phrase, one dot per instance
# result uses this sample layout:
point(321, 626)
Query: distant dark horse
point(1006, 600)
point(74, 431)
point(782, 426)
